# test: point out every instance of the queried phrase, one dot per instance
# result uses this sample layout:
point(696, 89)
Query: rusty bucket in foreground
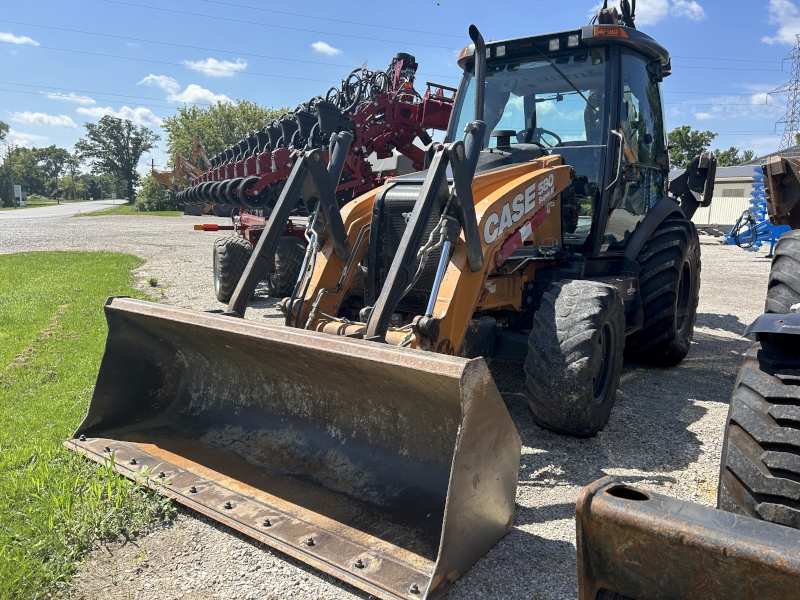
point(393, 470)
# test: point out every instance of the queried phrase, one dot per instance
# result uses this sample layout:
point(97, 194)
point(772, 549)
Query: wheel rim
point(216, 271)
point(684, 297)
point(605, 348)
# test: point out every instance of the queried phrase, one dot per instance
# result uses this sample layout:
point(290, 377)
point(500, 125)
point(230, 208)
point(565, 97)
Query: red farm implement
point(388, 121)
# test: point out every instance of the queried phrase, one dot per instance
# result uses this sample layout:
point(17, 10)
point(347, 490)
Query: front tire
point(289, 257)
point(760, 464)
point(231, 256)
point(669, 283)
point(783, 289)
point(575, 357)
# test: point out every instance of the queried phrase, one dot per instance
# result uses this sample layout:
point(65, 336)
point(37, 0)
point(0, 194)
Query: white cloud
point(324, 48)
point(24, 139)
point(139, 116)
point(216, 68)
point(689, 9)
point(194, 94)
point(786, 16)
point(71, 97)
point(651, 12)
point(168, 84)
point(37, 118)
point(10, 38)
point(729, 108)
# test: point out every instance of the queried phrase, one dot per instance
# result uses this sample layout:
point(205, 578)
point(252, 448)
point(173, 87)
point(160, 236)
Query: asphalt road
point(67, 209)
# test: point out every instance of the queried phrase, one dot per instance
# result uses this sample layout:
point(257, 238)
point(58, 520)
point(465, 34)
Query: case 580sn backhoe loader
point(369, 439)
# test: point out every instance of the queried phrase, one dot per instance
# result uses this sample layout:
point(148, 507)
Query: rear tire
point(222, 211)
point(289, 257)
point(783, 289)
point(760, 464)
point(231, 256)
point(575, 357)
point(669, 283)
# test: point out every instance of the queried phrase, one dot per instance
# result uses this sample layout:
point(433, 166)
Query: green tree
point(153, 196)
point(217, 126)
point(732, 156)
point(4, 128)
point(114, 147)
point(685, 144)
point(53, 161)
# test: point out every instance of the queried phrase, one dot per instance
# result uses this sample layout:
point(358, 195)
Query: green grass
point(127, 209)
point(31, 205)
point(54, 503)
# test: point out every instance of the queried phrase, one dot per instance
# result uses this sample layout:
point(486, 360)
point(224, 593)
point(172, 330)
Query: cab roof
point(587, 36)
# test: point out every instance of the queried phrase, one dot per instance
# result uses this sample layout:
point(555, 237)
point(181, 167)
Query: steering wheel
point(539, 132)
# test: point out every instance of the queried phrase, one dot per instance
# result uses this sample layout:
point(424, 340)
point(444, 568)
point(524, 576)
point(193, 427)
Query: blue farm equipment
point(753, 228)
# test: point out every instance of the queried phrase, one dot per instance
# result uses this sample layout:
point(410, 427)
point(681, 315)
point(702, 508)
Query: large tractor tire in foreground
point(575, 357)
point(288, 262)
point(669, 283)
point(760, 470)
point(783, 289)
point(231, 255)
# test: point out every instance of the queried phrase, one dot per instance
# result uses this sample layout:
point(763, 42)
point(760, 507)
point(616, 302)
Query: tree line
point(106, 160)
point(686, 143)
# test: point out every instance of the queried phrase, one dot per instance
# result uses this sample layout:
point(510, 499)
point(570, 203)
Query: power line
point(114, 101)
point(280, 12)
point(63, 89)
point(737, 60)
point(315, 62)
point(162, 62)
point(282, 27)
point(791, 120)
point(237, 52)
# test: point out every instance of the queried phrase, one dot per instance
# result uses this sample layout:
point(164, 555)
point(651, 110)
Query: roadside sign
point(17, 191)
point(113, 195)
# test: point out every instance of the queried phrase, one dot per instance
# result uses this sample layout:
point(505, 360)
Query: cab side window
point(641, 183)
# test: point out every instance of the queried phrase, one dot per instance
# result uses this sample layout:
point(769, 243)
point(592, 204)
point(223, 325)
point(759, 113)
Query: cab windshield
point(534, 104)
point(534, 101)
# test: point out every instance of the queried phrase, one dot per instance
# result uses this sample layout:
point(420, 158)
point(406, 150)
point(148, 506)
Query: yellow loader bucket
point(391, 469)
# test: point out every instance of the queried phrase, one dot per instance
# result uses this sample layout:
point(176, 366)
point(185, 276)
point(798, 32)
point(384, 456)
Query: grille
point(389, 221)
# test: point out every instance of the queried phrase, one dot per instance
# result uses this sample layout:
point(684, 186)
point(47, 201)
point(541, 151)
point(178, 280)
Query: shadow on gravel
point(649, 426)
point(728, 323)
point(522, 565)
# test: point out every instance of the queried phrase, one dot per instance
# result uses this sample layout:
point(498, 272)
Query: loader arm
point(506, 201)
point(164, 178)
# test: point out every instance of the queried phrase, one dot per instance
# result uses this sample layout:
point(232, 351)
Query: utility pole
point(791, 120)
point(72, 173)
point(9, 152)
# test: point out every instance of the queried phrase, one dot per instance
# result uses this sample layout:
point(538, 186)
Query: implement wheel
point(760, 465)
point(231, 255)
point(670, 290)
point(288, 261)
point(783, 289)
point(575, 357)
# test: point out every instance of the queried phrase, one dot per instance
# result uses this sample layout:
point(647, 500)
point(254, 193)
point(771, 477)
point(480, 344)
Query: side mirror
point(695, 186)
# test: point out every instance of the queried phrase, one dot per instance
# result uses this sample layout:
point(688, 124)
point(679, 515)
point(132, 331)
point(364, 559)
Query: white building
point(732, 189)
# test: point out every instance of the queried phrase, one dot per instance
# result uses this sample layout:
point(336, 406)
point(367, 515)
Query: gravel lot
point(665, 435)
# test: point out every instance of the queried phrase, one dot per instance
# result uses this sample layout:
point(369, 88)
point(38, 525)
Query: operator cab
point(592, 95)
